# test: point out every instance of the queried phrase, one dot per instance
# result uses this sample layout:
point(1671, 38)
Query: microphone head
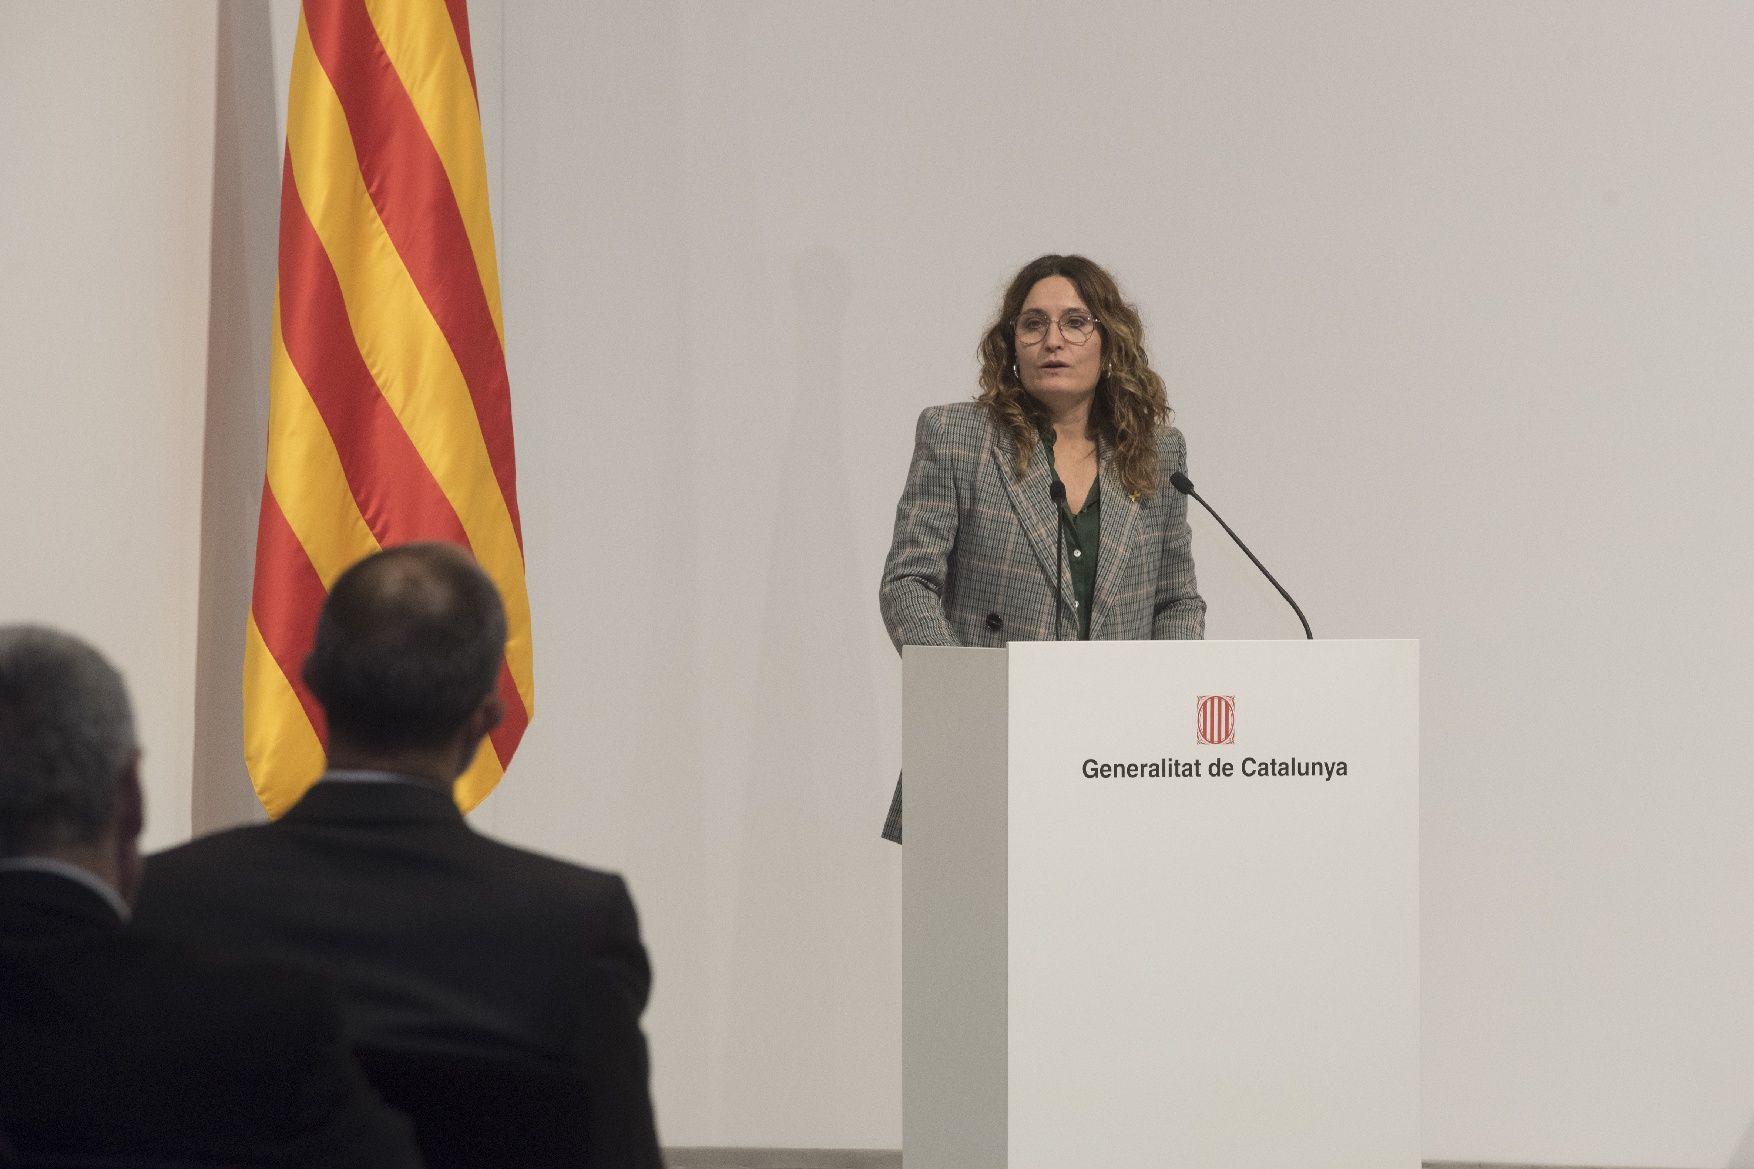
point(1181, 483)
point(1057, 491)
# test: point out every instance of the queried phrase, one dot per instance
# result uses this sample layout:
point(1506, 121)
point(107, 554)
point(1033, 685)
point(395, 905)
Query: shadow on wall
point(246, 213)
point(1743, 1157)
point(813, 716)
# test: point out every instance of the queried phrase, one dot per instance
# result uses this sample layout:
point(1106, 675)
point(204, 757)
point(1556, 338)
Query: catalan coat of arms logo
point(1215, 722)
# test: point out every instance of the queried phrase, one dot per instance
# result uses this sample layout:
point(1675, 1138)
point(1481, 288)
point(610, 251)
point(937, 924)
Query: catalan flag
point(390, 416)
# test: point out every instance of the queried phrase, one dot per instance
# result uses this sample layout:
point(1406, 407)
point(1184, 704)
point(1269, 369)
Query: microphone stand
point(1186, 486)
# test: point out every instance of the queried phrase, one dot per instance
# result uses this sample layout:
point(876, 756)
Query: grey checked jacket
point(972, 561)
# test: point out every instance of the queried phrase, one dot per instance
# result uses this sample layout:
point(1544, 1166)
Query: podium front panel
point(1161, 905)
point(1213, 945)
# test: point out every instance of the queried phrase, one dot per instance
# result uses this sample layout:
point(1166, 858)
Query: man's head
point(408, 654)
point(69, 760)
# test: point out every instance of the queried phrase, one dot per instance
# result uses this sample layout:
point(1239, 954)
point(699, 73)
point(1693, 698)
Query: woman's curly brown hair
point(1130, 402)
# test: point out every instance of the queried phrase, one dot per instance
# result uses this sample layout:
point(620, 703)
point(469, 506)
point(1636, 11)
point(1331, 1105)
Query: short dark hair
point(66, 736)
point(409, 643)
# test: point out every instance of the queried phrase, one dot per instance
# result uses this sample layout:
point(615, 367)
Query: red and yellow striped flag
point(390, 417)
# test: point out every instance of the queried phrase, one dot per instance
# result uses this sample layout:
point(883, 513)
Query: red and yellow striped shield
point(389, 417)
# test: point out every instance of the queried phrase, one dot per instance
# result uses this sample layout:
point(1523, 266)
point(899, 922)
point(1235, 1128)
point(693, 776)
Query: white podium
point(1161, 905)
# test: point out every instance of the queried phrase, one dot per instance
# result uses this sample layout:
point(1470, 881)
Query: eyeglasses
point(1075, 327)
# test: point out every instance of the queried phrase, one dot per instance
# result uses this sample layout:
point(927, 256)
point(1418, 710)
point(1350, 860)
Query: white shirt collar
point(364, 776)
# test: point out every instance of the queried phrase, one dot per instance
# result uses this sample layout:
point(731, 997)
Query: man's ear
point(130, 802)
point(485, 718)
point(477, 727)
point(129, 822)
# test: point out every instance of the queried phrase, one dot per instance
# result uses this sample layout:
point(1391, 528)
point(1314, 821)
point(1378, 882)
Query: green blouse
point(1082, 534)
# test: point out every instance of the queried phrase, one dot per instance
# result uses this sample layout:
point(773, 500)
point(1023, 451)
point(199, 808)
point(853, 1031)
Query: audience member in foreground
point(114, 1044)
point(492, 993)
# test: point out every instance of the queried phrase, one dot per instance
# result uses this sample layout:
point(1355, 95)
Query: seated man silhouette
point(447, 945)
point(116, 1046)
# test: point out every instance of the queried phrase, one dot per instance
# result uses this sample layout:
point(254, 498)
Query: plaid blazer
point(972, 561)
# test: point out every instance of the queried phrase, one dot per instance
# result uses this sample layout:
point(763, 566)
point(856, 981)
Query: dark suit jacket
point(114, 1043)
point(441, 939)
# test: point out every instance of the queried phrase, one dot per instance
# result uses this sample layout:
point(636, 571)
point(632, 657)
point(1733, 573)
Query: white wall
point(1455, 306)
point(106, 132)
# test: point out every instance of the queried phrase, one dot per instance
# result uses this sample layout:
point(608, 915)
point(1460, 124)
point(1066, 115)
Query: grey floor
point(891, 1159)
point(1495, 1165)
point(782, 1158)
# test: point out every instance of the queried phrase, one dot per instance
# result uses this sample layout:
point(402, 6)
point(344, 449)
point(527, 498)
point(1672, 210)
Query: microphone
point(1186, 486)
point(1057, 493)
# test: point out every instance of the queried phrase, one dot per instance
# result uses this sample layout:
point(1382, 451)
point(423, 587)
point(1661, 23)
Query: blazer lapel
point(1120, 515)
point(1035, 511)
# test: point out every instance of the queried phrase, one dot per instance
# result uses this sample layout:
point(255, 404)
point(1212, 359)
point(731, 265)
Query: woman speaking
point(1043, 509)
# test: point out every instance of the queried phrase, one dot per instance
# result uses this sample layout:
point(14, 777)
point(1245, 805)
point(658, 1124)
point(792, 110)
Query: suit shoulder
point(959, 426)
point(1172, 448)
point(580, 910)
point(548, 872)
point(960, 417)
point(204, 850)
point(195, 861)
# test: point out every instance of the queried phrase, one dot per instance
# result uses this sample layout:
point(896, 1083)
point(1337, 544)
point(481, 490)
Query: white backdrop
point(106, 177)
point(1456, 304)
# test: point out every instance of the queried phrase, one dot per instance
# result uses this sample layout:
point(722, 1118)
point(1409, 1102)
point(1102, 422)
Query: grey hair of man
point(66, 740)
